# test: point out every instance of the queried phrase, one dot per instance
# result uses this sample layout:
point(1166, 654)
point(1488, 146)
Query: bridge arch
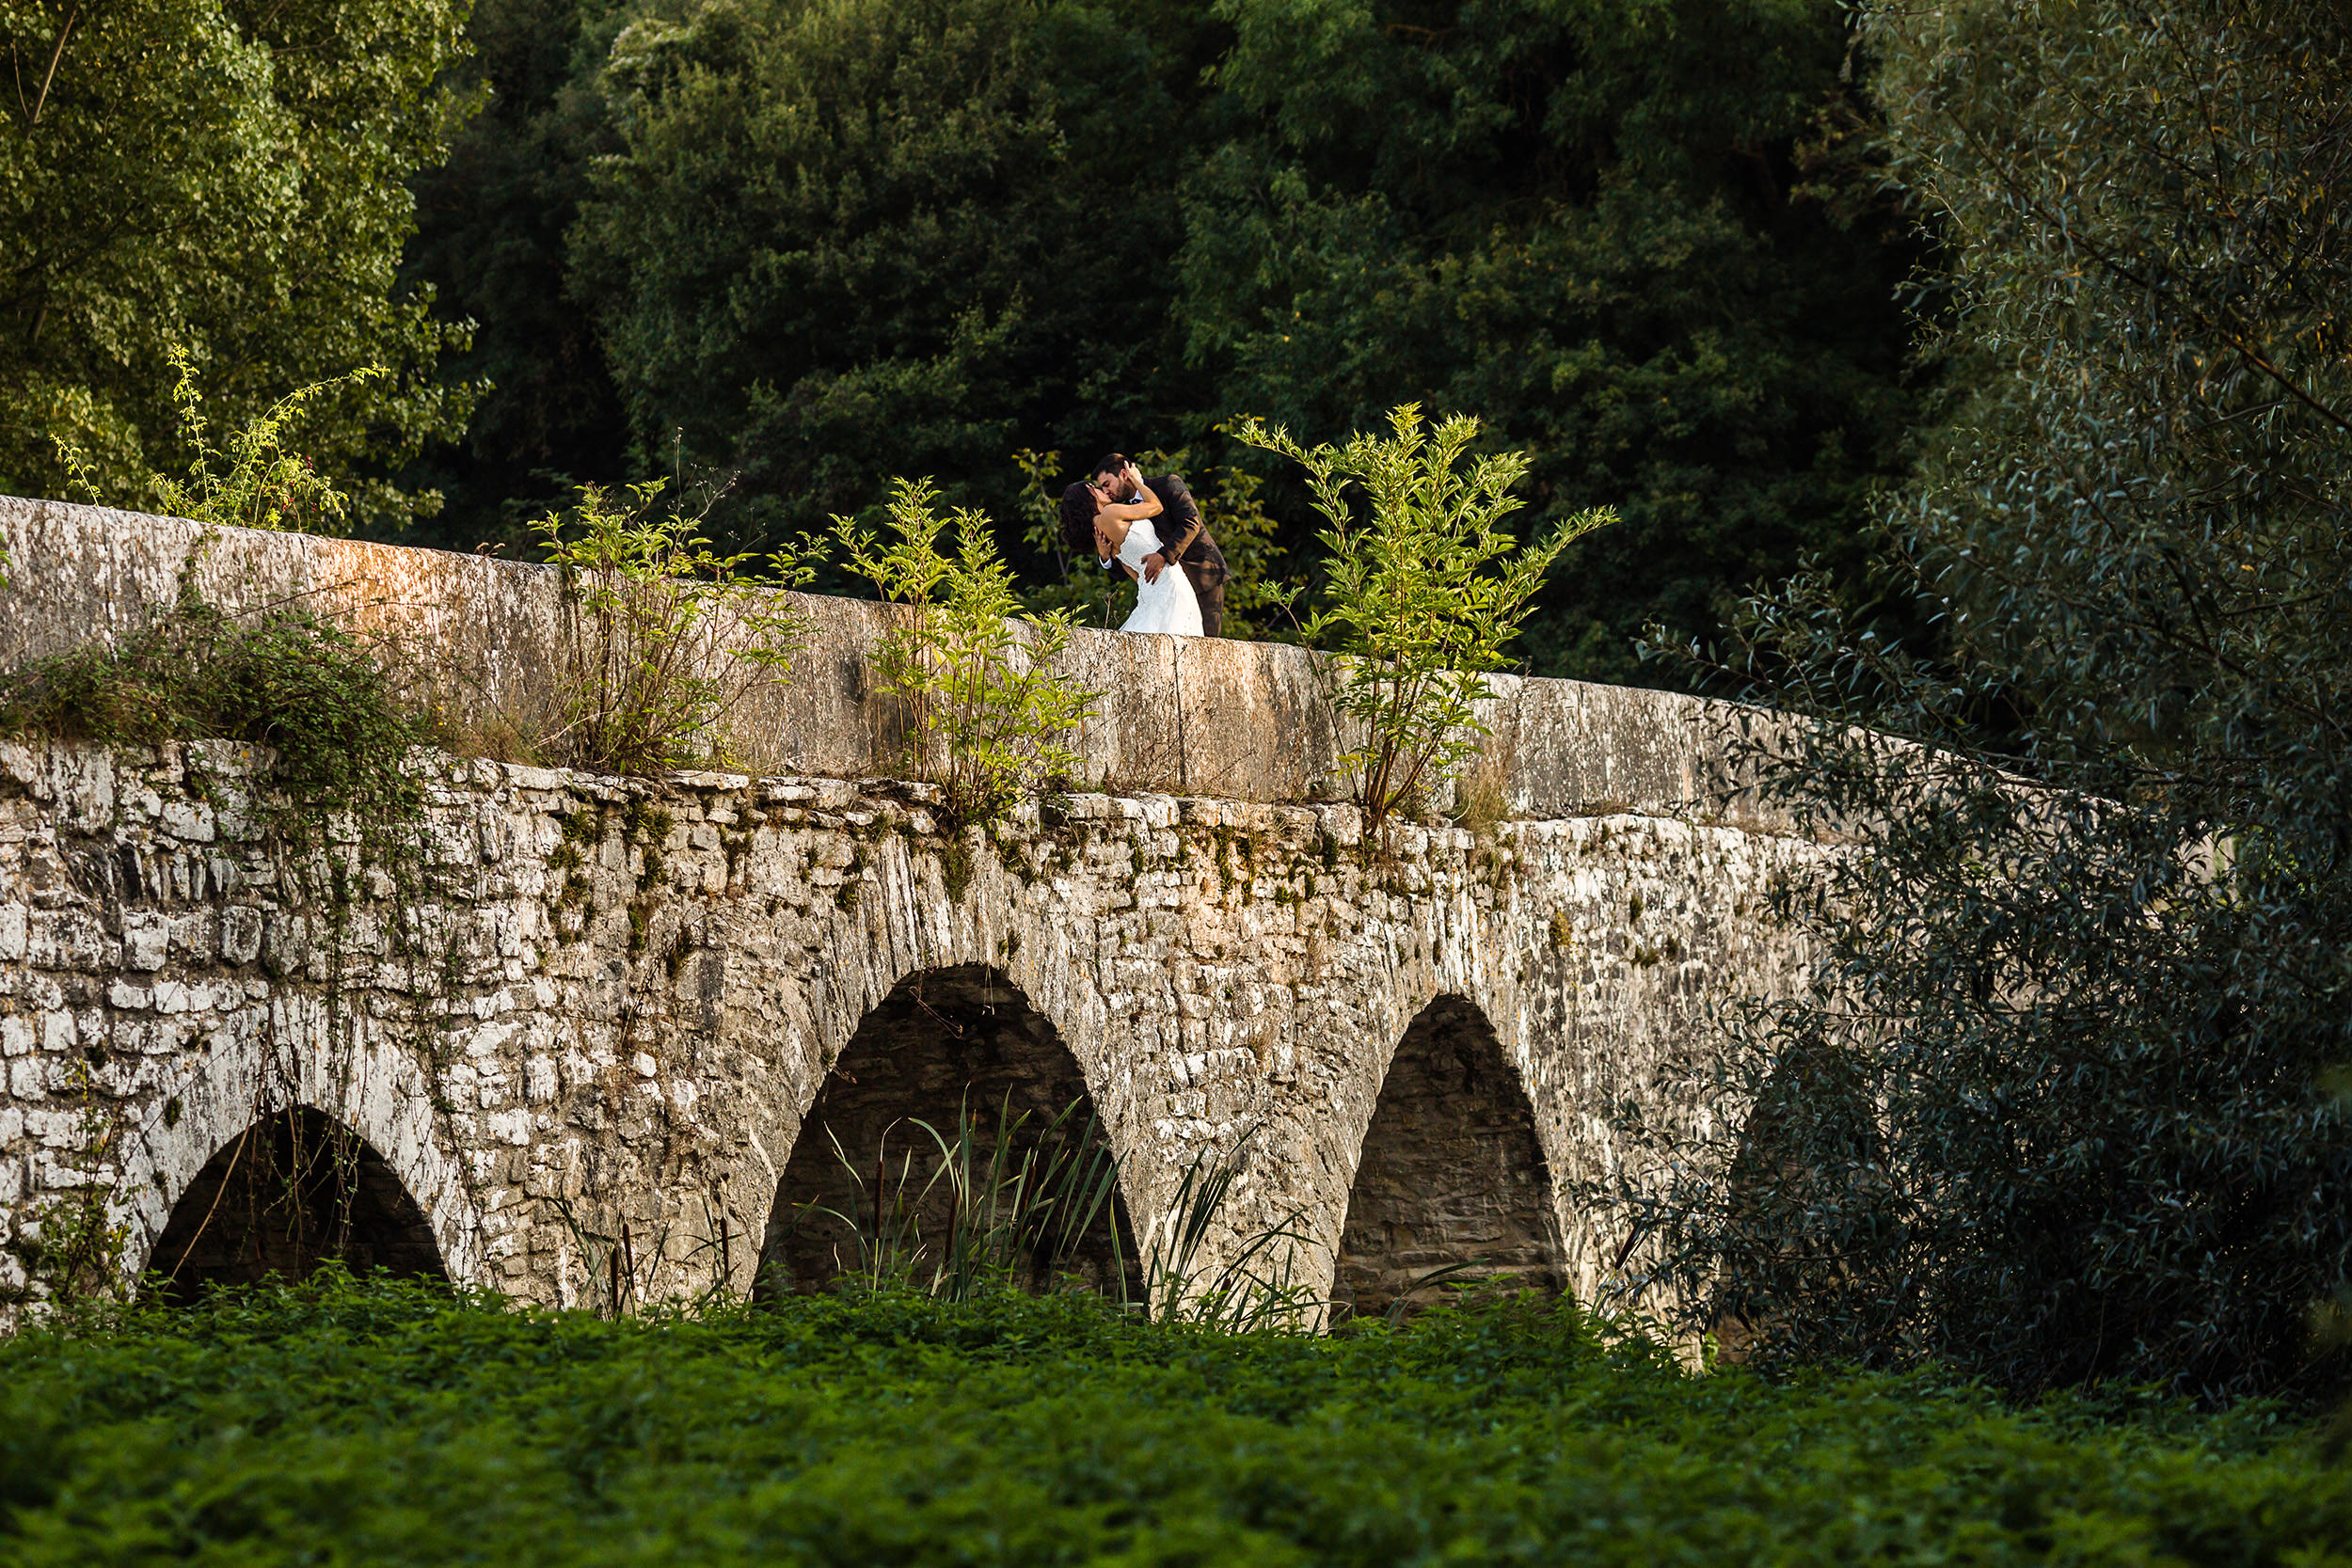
point(284, 1060)
point(293, 1190)
point(946, 1043)
point(1800, 1184)
point(1452, 1172)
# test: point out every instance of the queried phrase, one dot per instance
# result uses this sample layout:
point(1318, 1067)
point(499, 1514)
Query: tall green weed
point(986, 716)
point(253, 482)
point(1422, 594)
point(665, 638)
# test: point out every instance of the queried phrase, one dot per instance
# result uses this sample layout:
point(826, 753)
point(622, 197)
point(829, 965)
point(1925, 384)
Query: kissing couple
point(1141, 527)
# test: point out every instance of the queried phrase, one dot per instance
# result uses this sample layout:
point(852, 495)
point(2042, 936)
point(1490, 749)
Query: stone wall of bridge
point(1183, 716)
point(575, 1003)
point(579, 1037)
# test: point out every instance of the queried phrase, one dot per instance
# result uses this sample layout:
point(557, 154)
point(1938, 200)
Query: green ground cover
point(343, 1423)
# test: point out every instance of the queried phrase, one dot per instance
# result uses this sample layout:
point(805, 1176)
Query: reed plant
point(665, 638)
point(965, 1212)
point(1254, 1286)
point(978, 1211)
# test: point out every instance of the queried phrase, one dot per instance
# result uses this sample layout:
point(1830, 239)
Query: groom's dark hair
point(1115, 463)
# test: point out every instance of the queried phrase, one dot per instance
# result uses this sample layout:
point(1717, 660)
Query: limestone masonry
point(601, 1037)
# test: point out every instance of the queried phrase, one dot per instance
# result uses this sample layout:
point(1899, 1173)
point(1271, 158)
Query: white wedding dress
point(1168, 605)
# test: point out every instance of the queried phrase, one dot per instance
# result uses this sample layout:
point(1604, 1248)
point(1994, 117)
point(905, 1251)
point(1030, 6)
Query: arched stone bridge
point(594, 1035)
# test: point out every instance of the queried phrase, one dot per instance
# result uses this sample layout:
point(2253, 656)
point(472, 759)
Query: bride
point(1164, 596)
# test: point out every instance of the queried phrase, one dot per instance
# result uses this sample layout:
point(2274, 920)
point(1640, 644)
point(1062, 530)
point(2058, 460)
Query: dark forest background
point(806, 246)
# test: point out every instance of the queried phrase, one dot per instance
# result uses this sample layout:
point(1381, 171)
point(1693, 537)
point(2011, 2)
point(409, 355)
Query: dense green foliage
point(338, 735)
point(2093, 959)
point(810, 245)
point(228, 176)
point(822, 244)
point(847, 241)
point(1601, 228)
point(370, 1424)
point(490, 243)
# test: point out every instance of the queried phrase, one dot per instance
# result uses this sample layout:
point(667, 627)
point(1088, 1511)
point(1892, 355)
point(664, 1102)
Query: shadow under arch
point(1803, 1232)
point(293, 1190)
point(944, 1042)
point(1451, 1174)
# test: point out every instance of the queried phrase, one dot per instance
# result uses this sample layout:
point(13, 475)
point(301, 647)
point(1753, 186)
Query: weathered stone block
point(145, 940)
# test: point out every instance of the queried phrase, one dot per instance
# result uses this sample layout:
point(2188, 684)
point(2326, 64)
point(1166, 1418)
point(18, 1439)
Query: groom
point(1189, 544)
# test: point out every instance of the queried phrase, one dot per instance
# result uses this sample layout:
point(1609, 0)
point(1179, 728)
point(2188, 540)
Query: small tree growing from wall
point(1422, 595)
point(667, 637)
point(987, 717)
point(255, 482)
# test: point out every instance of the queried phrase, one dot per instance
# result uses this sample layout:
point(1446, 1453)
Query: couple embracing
point(1141, 527)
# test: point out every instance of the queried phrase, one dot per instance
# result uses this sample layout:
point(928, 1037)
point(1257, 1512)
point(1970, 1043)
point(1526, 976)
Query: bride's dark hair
point(1077, 518)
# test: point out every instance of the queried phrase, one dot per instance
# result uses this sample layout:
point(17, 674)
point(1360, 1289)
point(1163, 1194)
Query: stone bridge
point(595, 1042)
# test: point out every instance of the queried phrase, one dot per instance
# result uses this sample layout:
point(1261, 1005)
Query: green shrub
point(367, 1422)
point(279, 678)
point(986, 716)
point(1422, 596)
point(283, 678)
point(665, 638)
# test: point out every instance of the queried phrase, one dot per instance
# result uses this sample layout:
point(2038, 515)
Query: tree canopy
point(1587, 223)
point(2055, 1110)
point(800, 246)
point(814, 244)
point(842, 241)
point(227, 177)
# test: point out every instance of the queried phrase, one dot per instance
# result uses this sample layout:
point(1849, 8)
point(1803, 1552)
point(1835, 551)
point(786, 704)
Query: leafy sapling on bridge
point(665, 636)
point(1422, 596)
point(986, 716)
point(252, 483)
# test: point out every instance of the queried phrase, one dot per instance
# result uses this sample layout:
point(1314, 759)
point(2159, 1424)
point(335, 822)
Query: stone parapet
point(1197, 717)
